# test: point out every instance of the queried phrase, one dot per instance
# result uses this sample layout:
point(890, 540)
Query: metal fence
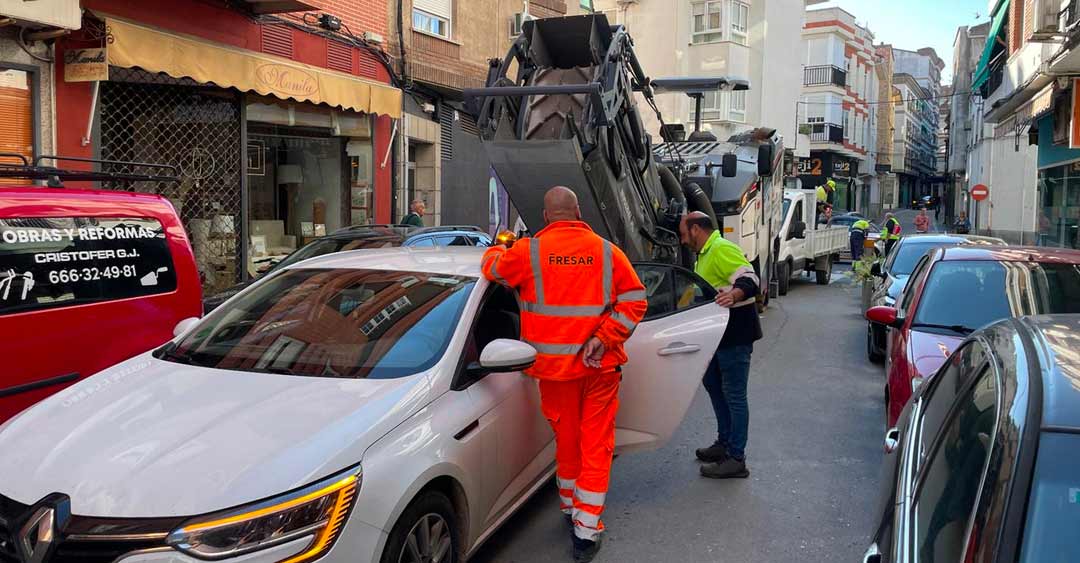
point(158, 119)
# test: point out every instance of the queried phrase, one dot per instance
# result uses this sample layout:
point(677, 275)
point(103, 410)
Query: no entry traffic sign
point(980, 192)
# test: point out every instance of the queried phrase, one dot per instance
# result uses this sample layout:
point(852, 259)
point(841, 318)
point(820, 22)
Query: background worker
point(857, 238)
point(580, 300)
point(721, 263)
point(922, 221)
point(890, 232)
point(416, 214)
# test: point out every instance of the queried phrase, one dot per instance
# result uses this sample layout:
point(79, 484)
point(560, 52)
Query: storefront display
point(1059, 206)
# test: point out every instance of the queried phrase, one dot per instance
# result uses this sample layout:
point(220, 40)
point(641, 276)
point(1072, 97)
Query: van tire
point(783, 277)
point(823, 276)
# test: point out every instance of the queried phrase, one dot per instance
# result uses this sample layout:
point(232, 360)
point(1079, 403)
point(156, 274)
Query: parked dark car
point(925, 202)
point(365, 236)
point(983, 465)
point(892, 276)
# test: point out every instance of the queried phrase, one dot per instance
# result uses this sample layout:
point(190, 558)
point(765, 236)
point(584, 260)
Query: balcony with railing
point(1069, 15)
point(824, 75)
point(823, 132)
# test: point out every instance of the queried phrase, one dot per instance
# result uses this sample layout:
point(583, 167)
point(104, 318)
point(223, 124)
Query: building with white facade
point(964, 115)
point(839, 92)
point(751, 39)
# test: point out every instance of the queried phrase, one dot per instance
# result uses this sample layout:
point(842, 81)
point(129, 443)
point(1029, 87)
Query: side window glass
point(913, 284)
point(950, 482)
point(798, 214)
point(426, 241)
point(482, 241)
point(499, 317)
point(670, 289)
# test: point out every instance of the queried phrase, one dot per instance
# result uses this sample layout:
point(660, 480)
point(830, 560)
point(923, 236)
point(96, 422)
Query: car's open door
point(668, 354)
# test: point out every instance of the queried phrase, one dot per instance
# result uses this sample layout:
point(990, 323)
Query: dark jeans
point(889, 244)
point(857, 238)
point(725, 380)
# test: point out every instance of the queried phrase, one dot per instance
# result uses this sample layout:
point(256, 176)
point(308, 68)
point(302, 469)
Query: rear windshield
point(340, 323)
point(970, 294)
point(1054, 505)
point(64, 261)
point(330, 245)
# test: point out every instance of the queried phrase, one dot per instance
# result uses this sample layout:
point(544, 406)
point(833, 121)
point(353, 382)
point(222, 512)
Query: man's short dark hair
point(701, 221)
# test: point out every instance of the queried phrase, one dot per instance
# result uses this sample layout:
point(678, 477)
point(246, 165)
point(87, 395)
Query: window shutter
point(17, 127)
point(442, 8)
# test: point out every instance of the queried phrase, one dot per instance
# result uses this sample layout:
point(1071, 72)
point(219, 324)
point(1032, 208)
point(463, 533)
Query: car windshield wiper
point(170, 354)
point(955, 328)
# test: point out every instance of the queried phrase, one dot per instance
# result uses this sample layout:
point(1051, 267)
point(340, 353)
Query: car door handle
point(469, 429)
point(678, 348)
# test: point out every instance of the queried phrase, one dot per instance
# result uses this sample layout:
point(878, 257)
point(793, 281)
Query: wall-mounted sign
point(841, 166)
point(287, 80)
point(86, 65)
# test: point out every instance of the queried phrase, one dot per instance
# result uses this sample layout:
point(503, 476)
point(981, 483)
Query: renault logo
point(38, 535)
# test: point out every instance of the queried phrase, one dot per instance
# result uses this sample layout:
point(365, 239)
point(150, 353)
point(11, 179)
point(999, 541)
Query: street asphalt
point(814, 455)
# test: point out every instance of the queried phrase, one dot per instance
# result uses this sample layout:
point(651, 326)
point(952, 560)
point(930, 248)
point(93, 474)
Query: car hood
point(149, 438)
point(929, 350)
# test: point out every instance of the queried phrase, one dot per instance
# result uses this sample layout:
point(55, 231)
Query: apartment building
point(914, 137)
point(839, 93)
point(447, 45)
point(942, 181)
point(751, 39)
point(964, 113)
point(888, 195)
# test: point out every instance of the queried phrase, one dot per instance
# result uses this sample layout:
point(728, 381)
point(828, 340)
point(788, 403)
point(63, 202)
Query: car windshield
point(965, 295)
point(1053, 513)
point(904, 258)
point(329, 245)
point(340, 323)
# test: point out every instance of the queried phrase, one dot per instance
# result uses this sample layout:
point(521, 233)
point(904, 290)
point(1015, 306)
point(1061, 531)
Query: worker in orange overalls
point(580, 300)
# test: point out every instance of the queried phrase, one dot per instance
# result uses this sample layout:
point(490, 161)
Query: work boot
point(730, 468)
point(569, 521)
point(712, 454)
point(585, 550)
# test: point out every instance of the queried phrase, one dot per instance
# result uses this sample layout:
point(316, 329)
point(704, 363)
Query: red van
point(88, 278)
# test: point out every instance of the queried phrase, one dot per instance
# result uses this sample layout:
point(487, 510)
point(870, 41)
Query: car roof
point(1011, 254)
point(449, 260)
point(1059, 338)
point(951, 238)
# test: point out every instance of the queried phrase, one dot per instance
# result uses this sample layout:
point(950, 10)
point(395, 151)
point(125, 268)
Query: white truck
point(805, 244)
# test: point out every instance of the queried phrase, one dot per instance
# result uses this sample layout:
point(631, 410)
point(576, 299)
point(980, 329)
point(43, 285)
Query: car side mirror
point(505, 355)
point(729, 165)
point(883, 315)
point(184, 326)
point(892, 440)
point(765, 159)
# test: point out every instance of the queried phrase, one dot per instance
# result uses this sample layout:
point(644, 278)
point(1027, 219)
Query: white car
point(359, 406)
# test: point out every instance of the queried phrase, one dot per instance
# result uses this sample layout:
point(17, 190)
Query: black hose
point(697, 201)
point(671, 186)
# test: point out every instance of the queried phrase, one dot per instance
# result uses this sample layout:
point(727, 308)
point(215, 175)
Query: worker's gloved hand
point(506, 238)
point(593, 353)
point(729, 297)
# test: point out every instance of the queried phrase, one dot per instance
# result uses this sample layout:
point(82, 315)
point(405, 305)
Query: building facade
point(279, 127)
point(839, 95)
point(447, 45)
point(963, 114)
point(885, 119)
point(718, 38)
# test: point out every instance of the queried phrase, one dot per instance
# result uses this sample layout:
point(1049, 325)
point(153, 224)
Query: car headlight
point(318, 510)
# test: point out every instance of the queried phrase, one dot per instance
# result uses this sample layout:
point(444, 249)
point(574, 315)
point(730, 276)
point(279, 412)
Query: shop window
point(16, 105)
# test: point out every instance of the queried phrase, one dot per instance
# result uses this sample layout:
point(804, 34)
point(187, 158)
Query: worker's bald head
point(695, 228)
point(561, 204)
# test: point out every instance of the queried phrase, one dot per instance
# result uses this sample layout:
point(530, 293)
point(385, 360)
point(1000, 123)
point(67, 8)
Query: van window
point(63, 261)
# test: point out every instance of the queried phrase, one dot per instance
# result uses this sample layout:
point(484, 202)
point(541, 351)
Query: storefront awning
point(982, 71)
point(180, 56)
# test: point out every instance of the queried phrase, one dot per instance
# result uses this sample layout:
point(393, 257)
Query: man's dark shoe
point(569, 521)
point(585, 550)
point(730, 468)
point(712, 454)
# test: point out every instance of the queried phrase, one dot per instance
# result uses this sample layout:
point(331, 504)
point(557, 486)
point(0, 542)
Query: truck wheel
point(823, 276)
point(783, 277)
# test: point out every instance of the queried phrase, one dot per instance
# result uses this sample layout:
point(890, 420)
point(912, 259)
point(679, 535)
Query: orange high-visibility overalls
point(573, 285)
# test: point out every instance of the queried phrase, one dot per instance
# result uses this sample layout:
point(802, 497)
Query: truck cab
point(805, 244)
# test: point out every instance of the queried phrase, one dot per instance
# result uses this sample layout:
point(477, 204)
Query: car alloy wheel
point(428, 541)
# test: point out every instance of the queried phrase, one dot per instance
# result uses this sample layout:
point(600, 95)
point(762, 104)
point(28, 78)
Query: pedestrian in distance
point(825, 217)
point(580, 301)
point(962, 225)
point(857, 238)
point(890, 232)
point(415, 217)
point(922, 221)
point(721, 263)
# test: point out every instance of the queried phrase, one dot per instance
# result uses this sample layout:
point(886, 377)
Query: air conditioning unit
point(1047, 15)
point(517, 20)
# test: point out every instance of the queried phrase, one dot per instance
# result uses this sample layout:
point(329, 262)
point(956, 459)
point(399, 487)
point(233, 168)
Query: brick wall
point(1029, 19)
point(1016, 19)
point(358, 15)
